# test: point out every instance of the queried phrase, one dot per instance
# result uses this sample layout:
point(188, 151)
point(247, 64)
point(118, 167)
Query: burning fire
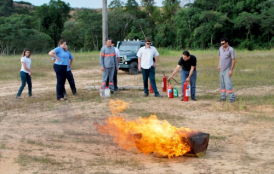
point(147, 135)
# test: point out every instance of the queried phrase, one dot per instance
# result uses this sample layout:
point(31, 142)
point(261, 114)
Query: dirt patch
point(46, 136)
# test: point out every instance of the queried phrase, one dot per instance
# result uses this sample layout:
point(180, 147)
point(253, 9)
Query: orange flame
point(145, 135)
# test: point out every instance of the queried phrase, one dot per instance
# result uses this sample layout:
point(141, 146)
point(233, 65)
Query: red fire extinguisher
point(186, 91)
point(150, 88)
point(164, 84)
point(170, 91)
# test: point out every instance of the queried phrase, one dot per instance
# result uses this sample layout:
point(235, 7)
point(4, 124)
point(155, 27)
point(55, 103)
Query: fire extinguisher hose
point(172, 79)
point(176, 81)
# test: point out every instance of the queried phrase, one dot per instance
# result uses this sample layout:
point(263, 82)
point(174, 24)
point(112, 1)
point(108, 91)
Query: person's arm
point(118, 58)
point(174, 72)
point(156, 54)
point(52, 53)
point(70, 62)
point(102, 60)
point(139, 63)
point(156, 61)
point(25, 67)
point(139, 55)
point(116, 61)
point(218, 68)
point(190, 74)
point(232, 67)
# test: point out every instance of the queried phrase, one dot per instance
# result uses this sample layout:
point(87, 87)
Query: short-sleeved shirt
point(27, 61)
point(186, 65)
point(146, 55)
point(67, 61)
point(70, 58)
point(226, 57)
point(62, 55)
point(117, 52)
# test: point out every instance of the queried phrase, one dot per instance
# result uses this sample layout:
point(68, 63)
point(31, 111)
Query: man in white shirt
point(147, 66)
point(115, 81)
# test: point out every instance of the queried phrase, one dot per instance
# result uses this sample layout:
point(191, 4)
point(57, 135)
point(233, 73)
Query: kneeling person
point(188, 73)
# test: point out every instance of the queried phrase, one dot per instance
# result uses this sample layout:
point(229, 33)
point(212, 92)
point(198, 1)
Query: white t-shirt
point(27, 62)
point(117, 52)
point(146, 55)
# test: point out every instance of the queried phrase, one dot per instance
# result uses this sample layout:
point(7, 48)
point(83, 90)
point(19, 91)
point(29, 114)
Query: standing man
point(188, 73)
point(225, 67)
point(108, 63)
point(116, 71)
point(146, 64)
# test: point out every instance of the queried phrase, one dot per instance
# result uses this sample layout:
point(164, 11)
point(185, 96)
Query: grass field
point(42, 135)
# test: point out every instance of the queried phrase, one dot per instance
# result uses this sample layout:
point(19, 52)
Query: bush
point(247, 44)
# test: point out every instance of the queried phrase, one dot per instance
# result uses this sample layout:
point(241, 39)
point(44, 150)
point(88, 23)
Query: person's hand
point(139, 68)
point(154, 65)
point(57, 59)
point(69, 66)
point(29, 72)
point(230, 73)
point(187, 80)
point(117, 68)
point(219, 69)
point(170, 77)
point(102, 69)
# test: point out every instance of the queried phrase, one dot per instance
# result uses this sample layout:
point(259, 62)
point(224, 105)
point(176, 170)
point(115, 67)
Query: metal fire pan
point(198, 144)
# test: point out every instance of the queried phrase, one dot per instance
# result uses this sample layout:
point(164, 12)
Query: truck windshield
point(129, 48)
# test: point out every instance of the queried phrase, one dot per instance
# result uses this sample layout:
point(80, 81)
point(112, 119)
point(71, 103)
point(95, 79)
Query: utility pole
point(104, 21)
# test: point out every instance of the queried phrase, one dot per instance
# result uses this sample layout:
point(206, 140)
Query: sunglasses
point(223, 43)
point(148, 43)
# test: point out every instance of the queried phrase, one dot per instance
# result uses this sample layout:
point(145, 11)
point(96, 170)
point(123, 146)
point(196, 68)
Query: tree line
point(196, 24)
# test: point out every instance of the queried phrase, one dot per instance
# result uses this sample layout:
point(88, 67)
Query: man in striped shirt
point(108, 63)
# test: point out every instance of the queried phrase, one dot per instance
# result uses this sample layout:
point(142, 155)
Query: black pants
point(60, 71)
point(115, 81)
point(69, 77)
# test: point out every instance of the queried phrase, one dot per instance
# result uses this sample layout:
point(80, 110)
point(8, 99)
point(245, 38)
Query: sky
point(82, 3)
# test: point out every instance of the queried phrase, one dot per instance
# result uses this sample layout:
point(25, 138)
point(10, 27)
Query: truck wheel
point(133, 68)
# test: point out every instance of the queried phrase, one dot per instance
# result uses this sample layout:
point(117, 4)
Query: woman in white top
point(25, 73)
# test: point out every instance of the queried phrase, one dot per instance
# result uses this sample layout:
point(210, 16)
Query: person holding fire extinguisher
point(188, 73)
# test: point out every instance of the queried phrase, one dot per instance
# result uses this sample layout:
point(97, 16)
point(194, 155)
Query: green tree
point(51, 18)
point(116, 4)
point(6, 7)
point(247, 20)
point(166, 28)
point(267, 20)
point(73, 34)
point(211, 22)
point(90, 24)
point(186, 21)
point(17, 32)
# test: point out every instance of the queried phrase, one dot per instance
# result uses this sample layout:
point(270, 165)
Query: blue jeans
point(184, 75)
point(61, 72)
point(226, 85)
point(26, 78)
point(70, 78)
point(149, 73)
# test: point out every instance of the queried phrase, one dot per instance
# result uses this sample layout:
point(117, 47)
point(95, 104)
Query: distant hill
point(23, 4)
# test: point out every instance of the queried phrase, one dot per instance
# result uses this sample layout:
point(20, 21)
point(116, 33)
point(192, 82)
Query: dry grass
point(43, 135)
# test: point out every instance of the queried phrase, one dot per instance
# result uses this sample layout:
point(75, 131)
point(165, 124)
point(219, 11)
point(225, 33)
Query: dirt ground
point(41, 135)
